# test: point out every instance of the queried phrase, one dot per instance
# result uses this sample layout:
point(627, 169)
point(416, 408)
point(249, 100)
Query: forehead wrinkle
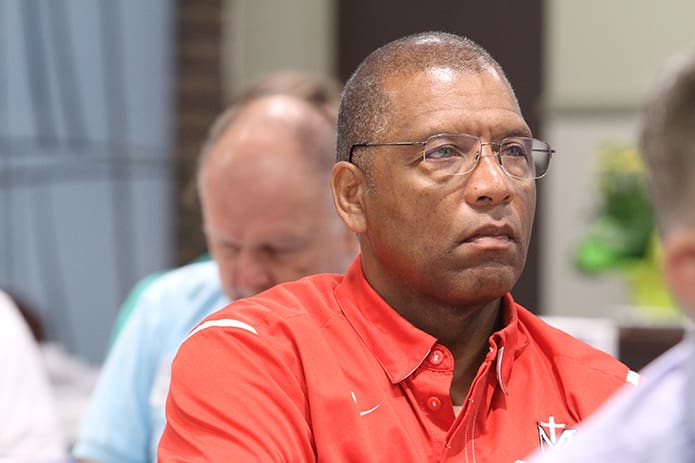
point(479, 101)
point(492, 126)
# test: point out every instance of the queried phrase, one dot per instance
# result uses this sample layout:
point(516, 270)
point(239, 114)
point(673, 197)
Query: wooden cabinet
point(639, 345)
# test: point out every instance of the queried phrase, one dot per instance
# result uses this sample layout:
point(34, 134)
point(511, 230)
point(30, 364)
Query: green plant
point(622, 236)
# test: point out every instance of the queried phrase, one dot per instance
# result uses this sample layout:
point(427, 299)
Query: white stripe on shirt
point(223, 323)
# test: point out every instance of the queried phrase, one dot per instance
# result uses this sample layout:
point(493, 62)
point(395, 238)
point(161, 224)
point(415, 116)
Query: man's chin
point(489, 283)
point(243, 294)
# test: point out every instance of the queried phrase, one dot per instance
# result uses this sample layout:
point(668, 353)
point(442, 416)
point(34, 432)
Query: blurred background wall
point(104, 103)
point(85, 158)
point(602, 58)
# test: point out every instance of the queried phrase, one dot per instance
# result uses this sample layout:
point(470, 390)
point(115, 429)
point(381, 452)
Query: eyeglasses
point(458, 154)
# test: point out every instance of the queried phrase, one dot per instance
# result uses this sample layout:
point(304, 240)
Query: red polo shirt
point(324, 370)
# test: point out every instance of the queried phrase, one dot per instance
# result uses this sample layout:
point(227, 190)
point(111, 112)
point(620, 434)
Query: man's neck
point(465, 332)
point(470, 346)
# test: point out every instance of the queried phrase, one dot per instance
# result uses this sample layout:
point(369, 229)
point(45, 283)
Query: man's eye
point(442, 152)
point(280, 251)
point(230, 249)
point(513, 150)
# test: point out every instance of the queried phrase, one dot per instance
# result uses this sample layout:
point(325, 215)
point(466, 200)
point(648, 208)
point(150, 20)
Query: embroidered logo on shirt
point(552, 435)
point(365, 412)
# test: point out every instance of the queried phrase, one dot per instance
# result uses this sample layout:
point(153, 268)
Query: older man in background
point(268, 215)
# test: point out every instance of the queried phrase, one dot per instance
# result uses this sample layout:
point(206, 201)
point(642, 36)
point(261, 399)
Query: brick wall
point(199, 98)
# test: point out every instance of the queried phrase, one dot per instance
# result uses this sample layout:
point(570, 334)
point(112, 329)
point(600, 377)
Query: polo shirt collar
point(399, 346)
point(507, 343)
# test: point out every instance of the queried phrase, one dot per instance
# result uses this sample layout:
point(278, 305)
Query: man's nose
point(252, 274)
point(488, 184)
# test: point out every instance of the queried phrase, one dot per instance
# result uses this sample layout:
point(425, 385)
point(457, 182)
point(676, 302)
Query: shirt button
point(434, 403)
point(436, 357)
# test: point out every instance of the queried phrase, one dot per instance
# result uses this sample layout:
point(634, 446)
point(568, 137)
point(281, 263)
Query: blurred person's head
point(264, 185)
point(668, 149)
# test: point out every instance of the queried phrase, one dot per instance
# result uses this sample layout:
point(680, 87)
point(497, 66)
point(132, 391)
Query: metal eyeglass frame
point(478, 155)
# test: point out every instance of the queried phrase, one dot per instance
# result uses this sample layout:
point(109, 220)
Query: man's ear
point(679, 263)
point(348, 187)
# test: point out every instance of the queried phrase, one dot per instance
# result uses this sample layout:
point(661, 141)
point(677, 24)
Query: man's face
point(268, 217)
point(460, 242)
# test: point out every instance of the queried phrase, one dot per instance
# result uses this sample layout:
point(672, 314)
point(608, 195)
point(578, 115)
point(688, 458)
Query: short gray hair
point(322, 93)
point(364, 106)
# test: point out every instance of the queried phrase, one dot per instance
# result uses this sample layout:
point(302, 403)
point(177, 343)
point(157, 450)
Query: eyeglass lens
point(458, 154)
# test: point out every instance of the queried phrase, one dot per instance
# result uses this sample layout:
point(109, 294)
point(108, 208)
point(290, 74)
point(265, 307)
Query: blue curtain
point(86, 159)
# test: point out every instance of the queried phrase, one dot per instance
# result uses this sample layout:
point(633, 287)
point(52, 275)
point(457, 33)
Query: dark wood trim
point(199, 98)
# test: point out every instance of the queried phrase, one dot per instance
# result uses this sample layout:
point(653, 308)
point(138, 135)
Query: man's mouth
point(492, 234)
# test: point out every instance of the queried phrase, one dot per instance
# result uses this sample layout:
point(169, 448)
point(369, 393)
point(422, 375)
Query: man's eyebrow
point(227, 243)
point(287, 241)
point(517, 132)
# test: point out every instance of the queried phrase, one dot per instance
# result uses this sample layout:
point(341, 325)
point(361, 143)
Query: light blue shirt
point(653, 422)
point(125, 417)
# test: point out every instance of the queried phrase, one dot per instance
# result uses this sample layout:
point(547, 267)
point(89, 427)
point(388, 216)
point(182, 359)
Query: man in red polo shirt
point(418, 353)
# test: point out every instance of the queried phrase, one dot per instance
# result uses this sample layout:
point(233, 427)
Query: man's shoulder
point(187, 278)
point(298, 306)
point(572, 356)
point(10, 319)
point(669, 370)
point(181, 297)
point(192, 283)
point(644, 423)
point(311, 295)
